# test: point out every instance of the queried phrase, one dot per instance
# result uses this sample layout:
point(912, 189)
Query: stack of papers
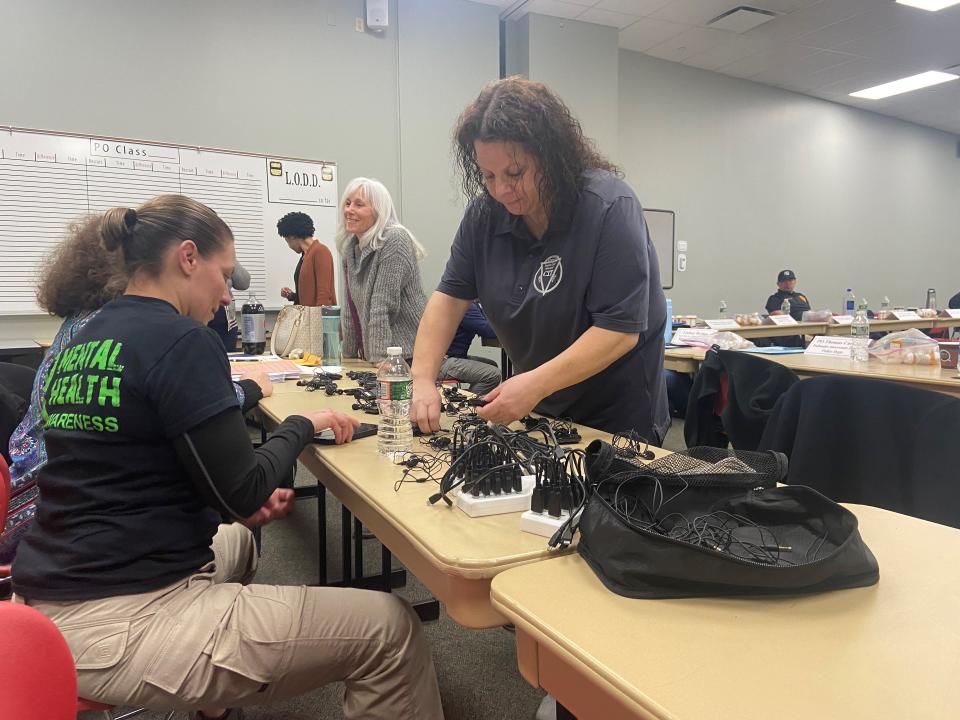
point(275, 367)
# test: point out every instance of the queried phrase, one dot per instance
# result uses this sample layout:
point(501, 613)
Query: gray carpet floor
point(477, 669)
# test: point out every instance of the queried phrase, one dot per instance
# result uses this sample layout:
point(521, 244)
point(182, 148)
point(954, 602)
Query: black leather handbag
point(712, 522)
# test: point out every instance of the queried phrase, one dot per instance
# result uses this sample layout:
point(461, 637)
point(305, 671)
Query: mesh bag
point(710, 522)
point(715, 472)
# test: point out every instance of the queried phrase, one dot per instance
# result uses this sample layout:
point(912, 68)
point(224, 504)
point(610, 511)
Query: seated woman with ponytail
point(76, 279)
point(146, 452)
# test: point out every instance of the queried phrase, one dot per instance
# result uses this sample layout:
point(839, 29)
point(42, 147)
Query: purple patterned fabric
point(27, 450)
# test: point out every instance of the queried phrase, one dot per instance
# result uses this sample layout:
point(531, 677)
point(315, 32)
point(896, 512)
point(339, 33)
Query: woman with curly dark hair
point(554, 245)
point(75, 280)
point(313, 276)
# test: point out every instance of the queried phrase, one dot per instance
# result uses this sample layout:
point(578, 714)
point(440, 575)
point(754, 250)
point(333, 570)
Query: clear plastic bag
point(725, 340)
point(749, 319)
point(907, 347)
point(816, 316)
point(730, 341)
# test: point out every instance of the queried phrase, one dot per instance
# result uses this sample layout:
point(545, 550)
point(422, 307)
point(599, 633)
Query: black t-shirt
point(296, 281)
point(594, 267)
point(119, 514)
point(798, 303)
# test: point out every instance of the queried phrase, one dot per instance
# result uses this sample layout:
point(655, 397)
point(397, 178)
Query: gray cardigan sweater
point(384, 284)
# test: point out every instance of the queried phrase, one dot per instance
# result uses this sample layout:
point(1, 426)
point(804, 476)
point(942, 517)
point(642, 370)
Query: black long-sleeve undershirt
point(235, 479)
point(252, 394)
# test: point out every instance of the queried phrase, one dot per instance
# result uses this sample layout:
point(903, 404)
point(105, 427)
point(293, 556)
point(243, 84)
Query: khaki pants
point(210, 641)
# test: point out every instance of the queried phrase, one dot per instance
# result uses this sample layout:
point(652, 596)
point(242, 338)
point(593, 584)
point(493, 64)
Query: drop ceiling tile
point(782, 6)
point(631, 7)
point(940, 44)
point(553, 8)
point(834, 11)
point(606, 17)
point(695, 12)
point(647, 32)
point(787, 28)
point(688, 43)
point(843, 72)
point(862, 25)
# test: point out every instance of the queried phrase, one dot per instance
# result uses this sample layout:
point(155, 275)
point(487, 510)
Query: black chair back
point(871, 442)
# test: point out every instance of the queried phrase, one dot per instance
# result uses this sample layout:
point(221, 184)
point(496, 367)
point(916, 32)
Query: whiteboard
point(49, 180)
point(660, 227)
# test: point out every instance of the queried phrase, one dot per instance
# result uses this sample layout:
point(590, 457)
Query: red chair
point(36, 666)
point(39, 680)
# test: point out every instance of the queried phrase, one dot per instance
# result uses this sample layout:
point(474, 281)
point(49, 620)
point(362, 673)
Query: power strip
point(497, 504)
point(542, 523)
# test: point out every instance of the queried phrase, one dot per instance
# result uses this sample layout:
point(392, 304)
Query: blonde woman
point(384, 297)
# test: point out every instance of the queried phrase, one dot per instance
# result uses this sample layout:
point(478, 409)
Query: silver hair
point(375, 193)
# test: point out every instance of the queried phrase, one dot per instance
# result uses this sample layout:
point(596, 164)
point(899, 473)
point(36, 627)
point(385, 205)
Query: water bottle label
point(254, 328)
point(395, 390)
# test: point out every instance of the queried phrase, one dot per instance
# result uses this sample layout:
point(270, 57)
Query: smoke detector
point(741, 18)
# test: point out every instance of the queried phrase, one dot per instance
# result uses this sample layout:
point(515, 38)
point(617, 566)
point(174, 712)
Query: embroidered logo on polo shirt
point(548, 275)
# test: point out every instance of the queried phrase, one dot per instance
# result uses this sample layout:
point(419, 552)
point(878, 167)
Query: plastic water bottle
point(849, 302)
point(932, 299)
point(395, 434)
point(785, 306)
point(723, 310)
point(884, 313)
point(860, 332)
point(254, 327)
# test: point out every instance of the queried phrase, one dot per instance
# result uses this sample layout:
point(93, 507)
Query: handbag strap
point(292, 338)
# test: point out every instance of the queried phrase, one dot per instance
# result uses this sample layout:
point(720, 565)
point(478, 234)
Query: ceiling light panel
point(896, 87)
point(931, 5)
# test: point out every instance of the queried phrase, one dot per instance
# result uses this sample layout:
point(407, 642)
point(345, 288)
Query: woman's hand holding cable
point(425, 407)
point(513, 398)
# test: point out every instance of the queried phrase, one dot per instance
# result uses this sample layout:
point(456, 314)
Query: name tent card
point(782, 320)
point(692, 336)
point(832, 346)
point(842, 319)
point(952, 313)
point(723, 324)
point(906, 315)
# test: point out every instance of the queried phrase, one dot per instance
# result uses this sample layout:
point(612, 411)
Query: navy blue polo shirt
point(474, 323)
point(595, 266)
